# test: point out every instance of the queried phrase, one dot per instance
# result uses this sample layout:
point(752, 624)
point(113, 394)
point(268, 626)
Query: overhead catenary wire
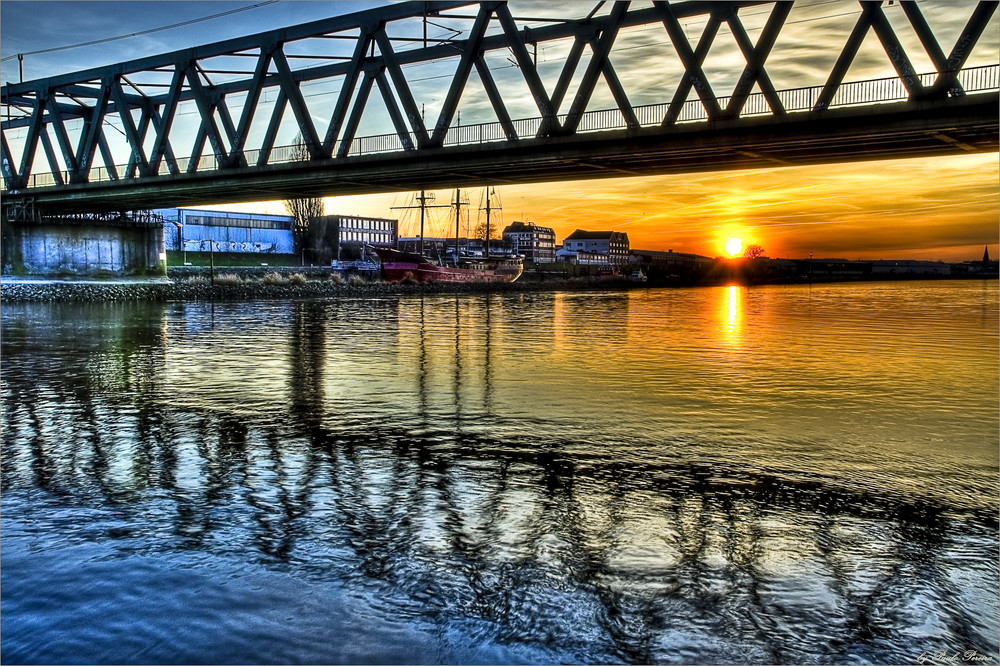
point(105, 40)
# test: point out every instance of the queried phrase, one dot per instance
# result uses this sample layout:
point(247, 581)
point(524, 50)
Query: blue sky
point(35, 25)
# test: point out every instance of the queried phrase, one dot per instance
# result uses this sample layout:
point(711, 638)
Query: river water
point(720, 475)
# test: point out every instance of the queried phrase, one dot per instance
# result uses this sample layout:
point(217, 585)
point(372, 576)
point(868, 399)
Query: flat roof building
point(193, 230)
point(336, 237)
point(614, 244)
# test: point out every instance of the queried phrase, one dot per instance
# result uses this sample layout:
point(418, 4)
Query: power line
point(140, 33)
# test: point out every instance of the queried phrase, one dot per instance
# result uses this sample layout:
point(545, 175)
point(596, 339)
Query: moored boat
point(399, 266)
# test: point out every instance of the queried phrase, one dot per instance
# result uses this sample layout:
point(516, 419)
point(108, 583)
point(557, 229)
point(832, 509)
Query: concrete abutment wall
point(56, 250)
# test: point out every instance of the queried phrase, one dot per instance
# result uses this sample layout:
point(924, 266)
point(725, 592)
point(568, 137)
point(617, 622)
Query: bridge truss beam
point(240, 92)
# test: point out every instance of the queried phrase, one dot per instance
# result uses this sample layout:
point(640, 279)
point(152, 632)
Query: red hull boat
point(399, 266)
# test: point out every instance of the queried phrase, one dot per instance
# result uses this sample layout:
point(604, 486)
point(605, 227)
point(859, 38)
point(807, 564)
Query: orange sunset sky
point(943, 208)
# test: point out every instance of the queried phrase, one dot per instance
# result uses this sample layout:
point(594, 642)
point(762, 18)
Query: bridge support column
point(73, 247)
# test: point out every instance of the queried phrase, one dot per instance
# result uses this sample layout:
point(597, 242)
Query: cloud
point(839, 209)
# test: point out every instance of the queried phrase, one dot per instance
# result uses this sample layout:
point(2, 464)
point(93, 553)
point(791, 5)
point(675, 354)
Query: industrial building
point(670, 261)
point(344, 237)
point(190, 230)
point(326, 239)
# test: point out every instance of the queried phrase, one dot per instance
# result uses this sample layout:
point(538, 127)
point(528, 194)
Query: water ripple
point(773, 475)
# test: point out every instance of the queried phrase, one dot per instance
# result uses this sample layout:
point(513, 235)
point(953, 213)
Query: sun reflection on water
point(734, 317)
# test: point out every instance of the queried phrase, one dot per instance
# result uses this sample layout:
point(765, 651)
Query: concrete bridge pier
point(34, 244)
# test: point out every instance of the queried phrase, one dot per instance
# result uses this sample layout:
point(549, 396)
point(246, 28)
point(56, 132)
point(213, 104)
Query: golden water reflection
point(880, 386)
point(734, 316)
point(626, 462)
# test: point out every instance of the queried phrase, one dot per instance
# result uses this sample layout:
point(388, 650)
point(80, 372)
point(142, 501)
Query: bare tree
point(486, 227)
point(480, 231)
point(302, 210)
point(753, 251)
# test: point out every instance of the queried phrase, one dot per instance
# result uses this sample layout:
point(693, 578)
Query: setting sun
point(734, 246)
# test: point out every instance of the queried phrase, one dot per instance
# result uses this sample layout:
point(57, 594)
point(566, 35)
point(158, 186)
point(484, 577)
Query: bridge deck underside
point(884, 132)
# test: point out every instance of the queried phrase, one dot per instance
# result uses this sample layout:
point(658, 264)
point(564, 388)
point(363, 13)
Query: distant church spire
point(986, 255)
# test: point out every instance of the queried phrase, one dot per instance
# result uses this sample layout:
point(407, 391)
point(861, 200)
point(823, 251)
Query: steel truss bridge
point(238, 120)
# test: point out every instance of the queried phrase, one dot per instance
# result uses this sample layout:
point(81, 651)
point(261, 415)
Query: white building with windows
point(375, 231)
point(345, 237)
point(612, 244)
point(534, 243)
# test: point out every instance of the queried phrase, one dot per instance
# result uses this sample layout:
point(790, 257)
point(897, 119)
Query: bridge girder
point(845, 135)
point(837, 121)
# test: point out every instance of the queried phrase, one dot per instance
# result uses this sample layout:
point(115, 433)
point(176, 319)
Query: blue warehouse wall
point(193, 230)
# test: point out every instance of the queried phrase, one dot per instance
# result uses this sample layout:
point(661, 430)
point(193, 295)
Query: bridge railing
point(857, 93)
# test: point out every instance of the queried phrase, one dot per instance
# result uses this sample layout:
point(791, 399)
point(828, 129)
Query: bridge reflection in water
point(519, 468)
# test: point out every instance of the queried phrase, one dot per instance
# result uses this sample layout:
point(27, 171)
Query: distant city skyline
point(944, 208)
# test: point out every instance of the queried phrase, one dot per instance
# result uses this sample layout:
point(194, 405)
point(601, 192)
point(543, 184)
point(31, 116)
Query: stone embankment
point(231, 287)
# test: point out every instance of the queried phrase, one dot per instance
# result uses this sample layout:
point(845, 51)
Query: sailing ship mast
point(423, 210)
point(487, 209)
point(458, 220)
point(422, 199)
point(402, 265)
